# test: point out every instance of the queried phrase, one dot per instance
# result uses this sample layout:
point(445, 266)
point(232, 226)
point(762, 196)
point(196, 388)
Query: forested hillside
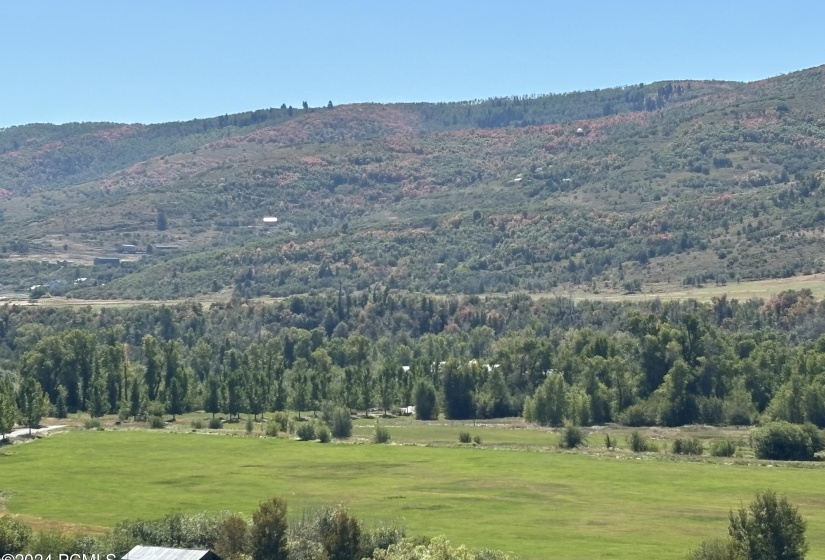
point(672, 183)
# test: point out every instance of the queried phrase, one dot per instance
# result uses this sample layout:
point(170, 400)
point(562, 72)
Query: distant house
point(162, 553)
point(131, 249)
point(166, 247)
point(270, 220)
point(113, 261)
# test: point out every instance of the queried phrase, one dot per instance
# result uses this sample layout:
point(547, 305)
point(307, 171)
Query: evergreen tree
point(269, 531)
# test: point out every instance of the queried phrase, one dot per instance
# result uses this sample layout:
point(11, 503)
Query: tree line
point(553, 361)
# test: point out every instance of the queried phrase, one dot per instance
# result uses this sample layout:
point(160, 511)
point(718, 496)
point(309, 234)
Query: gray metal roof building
point(162, 553)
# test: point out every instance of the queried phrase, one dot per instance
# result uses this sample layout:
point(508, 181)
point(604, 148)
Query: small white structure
point(579, 131)
point(270, 220)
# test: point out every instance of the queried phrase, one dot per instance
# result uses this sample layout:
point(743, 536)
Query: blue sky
point(153, 61)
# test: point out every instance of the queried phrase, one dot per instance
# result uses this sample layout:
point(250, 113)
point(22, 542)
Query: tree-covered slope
point(674, 182)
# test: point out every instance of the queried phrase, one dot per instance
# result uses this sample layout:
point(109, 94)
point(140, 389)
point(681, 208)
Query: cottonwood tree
point(33, 402)
point(8, 411)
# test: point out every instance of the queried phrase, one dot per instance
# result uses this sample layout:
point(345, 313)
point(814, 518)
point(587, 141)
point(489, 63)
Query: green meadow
point(538, 504)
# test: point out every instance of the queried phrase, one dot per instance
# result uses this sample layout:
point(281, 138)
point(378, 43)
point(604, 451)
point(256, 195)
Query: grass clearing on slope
point(539, 505)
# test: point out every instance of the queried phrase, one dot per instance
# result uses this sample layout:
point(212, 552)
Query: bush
point(770, 528)
point(197, 424)
point(464, 437)
point(175, 530)
point(14, 535)
point(379, 538)
point(341, 423)
point(281, 420)
point(637, 415)
point(306, 431)
point(477, 439)
point(232, 538)
point(93, 424)
point(156, 408)
point(340, 534)
point(687, 446)
point(723, 448)
point(382, 434)
point(322, 433)
point(214, 424)
point(639, 443)
point(272, 430)
point(249, 425)
point(784, 441)
point(157, 423)
point(571, 437)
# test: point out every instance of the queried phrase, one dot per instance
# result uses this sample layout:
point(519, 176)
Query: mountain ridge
point(606, 202)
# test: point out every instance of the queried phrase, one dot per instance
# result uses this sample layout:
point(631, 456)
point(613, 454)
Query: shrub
point(272, 430)
point(382, 434)
point(770, 528)
point(249, 425)
point(687, 446)
point(92, 424)
point(327, 409)
point(214, 424)
point(638, 415)
point(379, 538)
point(608, 443)
point(571, 437)
point(197, 424)
point(464, 437)
point(281, 420)
point(232, 538)
point(477, 439)
point(723, 448)
point(123, 411)
point(306, 431)
point(177, 530)
point(786, 442)
point(156, 408)
point(322, 433)
point(14, 535)
point(157, 423)
point(341, 423)
point(639, 443)
point(340, 534)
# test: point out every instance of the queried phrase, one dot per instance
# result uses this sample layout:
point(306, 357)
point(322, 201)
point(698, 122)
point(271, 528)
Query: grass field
point(743, 291)
point(537, 504)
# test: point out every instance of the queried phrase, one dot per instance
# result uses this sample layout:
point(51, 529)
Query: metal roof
point(163, 553)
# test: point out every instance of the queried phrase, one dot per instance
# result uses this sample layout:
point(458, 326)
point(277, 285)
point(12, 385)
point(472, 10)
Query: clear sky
point(161, 60)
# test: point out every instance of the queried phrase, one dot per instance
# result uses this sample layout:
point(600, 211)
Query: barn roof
point(162, 553)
